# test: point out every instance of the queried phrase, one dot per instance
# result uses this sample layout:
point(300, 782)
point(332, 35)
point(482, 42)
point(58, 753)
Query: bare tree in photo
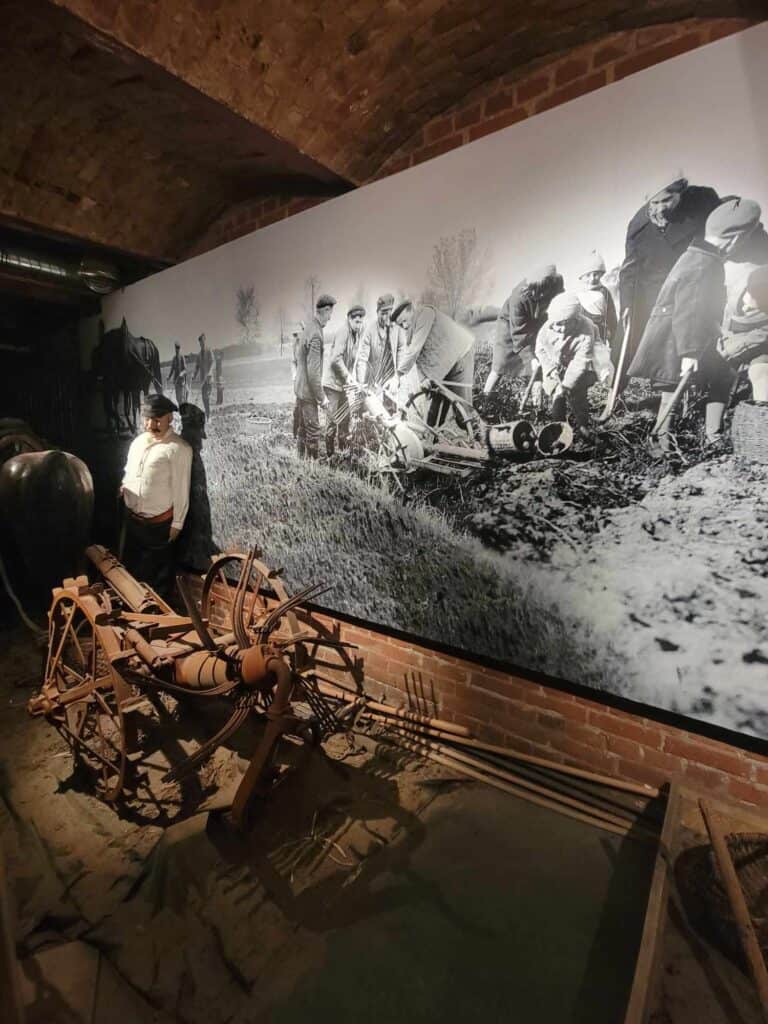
point(311, 295)
point(360, 297)
point(459, 270)
point(247, 314)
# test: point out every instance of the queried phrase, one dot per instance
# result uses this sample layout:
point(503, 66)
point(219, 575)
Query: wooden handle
point(685, 380)
point(739, 907)
point(534, 377)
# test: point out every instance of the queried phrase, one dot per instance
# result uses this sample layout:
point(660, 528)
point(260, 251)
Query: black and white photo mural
point(515, 399)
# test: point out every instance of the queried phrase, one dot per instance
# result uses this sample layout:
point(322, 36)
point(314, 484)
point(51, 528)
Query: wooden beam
point(651, 942)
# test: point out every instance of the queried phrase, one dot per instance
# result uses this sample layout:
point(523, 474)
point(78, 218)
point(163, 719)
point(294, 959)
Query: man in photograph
point(177, 375)
point(596, 300)
point(340, 381)
point(564, 350)
point(745, 341)
point(308, 383)
point(671, 219)
point(296, 335)
point(204, 370)
point(520, 319)
point(218, 362)
point(440, 349)
point(685, 325)
point(155, 491)
point(377, 355)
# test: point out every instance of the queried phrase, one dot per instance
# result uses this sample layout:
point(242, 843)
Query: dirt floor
point(373, 886)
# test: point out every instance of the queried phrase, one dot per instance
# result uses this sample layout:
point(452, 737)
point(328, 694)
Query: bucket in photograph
point(255, 427)
point(555, 438)
point(517, 437)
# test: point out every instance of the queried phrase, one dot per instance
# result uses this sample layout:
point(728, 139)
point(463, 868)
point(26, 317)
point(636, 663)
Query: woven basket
point(749, 431)
point(704, 898)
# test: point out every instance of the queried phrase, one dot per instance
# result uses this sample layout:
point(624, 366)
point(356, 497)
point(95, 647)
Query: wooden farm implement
point(450, 439)
point(115, 647)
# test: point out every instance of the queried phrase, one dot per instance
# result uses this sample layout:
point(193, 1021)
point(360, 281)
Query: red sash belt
point(162, 517)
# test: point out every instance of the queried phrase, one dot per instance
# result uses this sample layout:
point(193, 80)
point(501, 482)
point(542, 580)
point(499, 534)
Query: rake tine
point(194, 760)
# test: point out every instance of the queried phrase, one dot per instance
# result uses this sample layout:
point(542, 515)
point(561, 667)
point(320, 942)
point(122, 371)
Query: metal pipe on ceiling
point(91, 274)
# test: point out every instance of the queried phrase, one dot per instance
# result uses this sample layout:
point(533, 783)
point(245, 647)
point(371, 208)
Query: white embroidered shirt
point(157, 475)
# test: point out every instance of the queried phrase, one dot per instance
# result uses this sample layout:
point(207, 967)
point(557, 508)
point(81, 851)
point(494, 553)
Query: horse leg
point(128, 411)
point(112, 410)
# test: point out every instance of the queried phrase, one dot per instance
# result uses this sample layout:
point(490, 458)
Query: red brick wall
point(514, 97)
point(533, 89)
point(535, 719)
point(508, 709)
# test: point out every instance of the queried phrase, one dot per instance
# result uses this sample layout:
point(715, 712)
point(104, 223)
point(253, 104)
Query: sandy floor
point(372, 887)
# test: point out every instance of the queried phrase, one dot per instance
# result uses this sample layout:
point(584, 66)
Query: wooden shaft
point(628, 803)
point(534, 377)
point(533, 787)
point(411, 716)
point(679, 391)
point(457, 766)
point(579, 773)
point(739, 907)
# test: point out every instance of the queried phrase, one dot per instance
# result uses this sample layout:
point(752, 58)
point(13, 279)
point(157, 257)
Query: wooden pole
point(457, 766)
point(739, 907)
point(533, 787)
point(645, 982)
point(650, 792)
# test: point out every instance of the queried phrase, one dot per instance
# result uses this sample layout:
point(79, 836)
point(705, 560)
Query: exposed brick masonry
point(508, 709)
point(513, 97)
point(535, 719)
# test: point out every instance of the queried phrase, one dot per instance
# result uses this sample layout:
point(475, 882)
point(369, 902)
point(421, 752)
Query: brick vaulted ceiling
point(132, 124)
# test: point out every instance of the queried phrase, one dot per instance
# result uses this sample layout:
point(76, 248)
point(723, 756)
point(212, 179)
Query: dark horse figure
point(128, 366)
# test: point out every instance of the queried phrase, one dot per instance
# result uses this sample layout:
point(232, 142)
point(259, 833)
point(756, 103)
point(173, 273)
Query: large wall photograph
point(514, 400)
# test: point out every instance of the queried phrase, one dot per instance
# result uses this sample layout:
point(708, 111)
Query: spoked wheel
point(264, 590)
point(388, 462)
point(79, 681)
point(462, 425)
point(320, 658)
point(314, 651)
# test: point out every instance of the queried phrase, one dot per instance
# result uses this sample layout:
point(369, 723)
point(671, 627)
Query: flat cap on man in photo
point(669, 182)
point(357, 310)
point(542, 273)
point(325, 300)
point(157, 405)
point(563, 307)
point(399, 309)
point(385, 302)
point(733, 217)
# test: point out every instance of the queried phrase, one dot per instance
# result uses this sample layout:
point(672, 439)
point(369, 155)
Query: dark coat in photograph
point(377, 355)
point(652, 252)
point(521, 317)
point(343, 358)
point(308, 385)
point(436, 344)
point(686, 318)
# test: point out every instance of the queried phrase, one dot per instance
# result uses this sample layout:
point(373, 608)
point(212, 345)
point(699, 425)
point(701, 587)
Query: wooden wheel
point(263, 591)
point(85, 693)
point(314, 650)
